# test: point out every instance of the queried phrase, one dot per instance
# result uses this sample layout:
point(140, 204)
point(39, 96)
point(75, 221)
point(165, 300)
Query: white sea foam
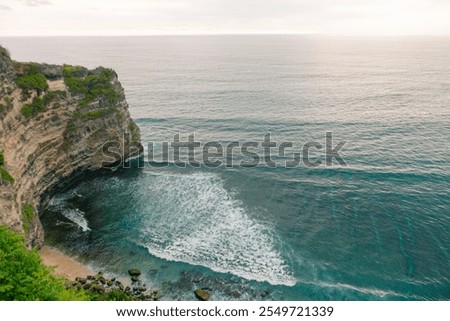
point(195, 220)
point(373, 291)
point(73, 214)
point(77, 216)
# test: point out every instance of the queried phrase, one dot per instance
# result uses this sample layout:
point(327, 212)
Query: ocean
point(376, 228)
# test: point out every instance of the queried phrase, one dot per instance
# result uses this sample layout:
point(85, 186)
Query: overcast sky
point(147, 17)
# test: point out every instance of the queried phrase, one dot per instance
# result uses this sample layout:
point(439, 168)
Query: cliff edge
point(54, 122)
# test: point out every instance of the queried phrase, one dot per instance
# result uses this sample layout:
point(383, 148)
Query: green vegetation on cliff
point(51, 96)
point(32, 81)
point(4, 175)
point(27, 216)
point(39, 104)
point(23, 276)
point(94, 114)
point(93, 85)
point(6, 105)
point(9, 102)
point(29, 110)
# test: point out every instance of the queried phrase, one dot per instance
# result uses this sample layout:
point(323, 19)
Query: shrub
point(52, 95)
point(74, 71)
point(49, 97)
point(5, 176)
point(132, 127)
point(8, 101)
point(29, 110)
point(33, 80)
point(93, 85)
point(2, 107)
point(23, 277)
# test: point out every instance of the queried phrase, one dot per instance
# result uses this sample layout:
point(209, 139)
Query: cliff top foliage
point(95, 84)
point(23, 276)
point(32, 81)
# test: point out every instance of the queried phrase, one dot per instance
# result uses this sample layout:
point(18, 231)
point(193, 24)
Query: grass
point(27, 217)
point(5, 176)
point(8, 101)
point(92, 84)
point(30, 110)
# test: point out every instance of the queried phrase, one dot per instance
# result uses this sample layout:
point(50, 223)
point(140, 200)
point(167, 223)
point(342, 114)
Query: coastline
point(64, 265)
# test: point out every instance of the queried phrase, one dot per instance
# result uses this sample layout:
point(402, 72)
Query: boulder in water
point(134, 272)
point(234, 294)
point(264, 293)
point(202, 295)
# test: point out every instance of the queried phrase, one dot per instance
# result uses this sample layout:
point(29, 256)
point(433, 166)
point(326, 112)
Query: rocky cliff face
point(54, 122)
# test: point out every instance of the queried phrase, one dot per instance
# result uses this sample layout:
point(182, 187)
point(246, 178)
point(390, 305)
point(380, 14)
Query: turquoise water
point(377, 229)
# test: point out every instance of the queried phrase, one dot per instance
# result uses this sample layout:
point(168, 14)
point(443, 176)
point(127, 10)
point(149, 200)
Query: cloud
point(35, 3)
point(120, 17)
point(2, 7)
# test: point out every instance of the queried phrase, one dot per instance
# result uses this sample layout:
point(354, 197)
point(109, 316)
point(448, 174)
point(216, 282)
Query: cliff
point(54, 122)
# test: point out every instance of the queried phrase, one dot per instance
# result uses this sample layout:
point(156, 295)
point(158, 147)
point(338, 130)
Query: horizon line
point(228, 34)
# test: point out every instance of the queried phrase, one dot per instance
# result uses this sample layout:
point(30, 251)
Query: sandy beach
point(63, 264)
